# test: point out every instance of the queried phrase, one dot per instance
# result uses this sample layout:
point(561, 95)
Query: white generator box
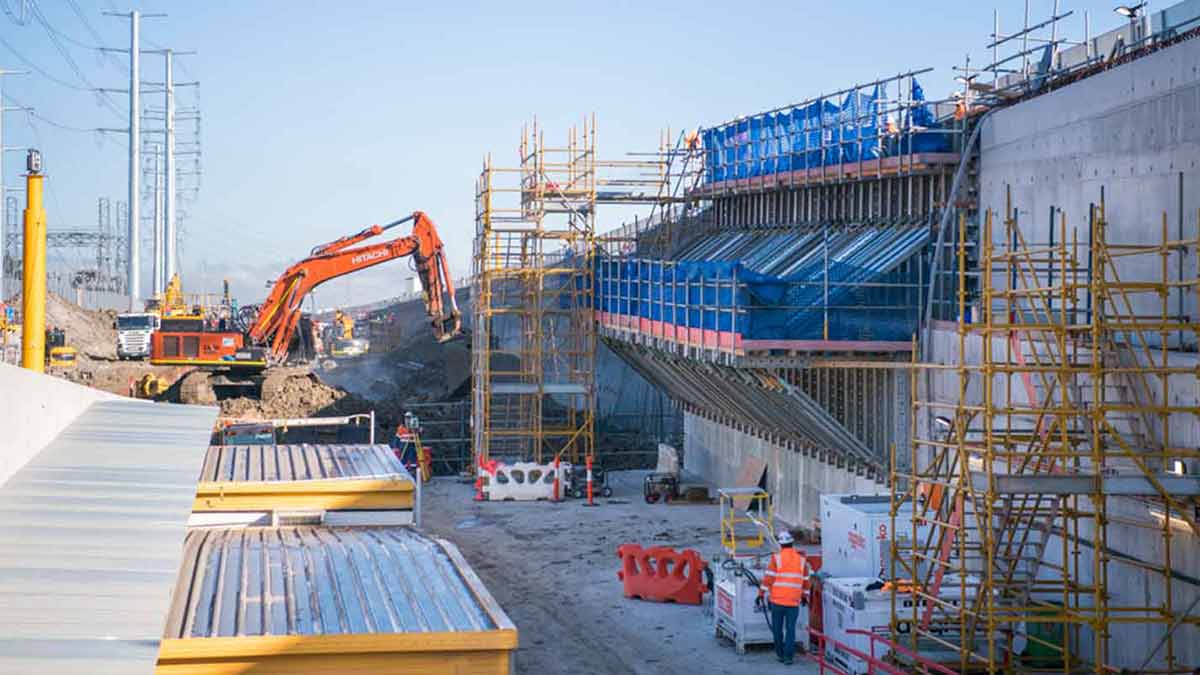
point(862, 603)
point(734, 615)
point(857, 537)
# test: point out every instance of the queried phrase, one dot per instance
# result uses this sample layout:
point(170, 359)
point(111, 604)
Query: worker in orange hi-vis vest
point(785, 586)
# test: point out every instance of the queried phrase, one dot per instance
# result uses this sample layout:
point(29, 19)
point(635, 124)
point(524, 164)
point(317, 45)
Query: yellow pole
point(33, 294)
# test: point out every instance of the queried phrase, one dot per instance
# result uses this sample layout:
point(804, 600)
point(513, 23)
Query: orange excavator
point(272, 336)
point(279, 315)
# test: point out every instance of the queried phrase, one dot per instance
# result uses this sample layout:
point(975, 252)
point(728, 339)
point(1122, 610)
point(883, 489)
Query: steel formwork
point(1051, 483)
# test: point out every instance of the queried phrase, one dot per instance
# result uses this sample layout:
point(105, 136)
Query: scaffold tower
point(534, 344)
point(1059, 465)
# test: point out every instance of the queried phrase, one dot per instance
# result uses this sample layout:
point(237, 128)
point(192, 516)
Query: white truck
point(133, 334)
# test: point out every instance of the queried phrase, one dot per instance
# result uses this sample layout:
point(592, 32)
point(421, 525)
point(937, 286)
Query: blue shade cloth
point(775, 287)
point(818, 133)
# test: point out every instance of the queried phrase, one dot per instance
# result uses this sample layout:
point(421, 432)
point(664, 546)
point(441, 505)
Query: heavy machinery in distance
point(277, 332)
point(342, 340)
point(60, 357)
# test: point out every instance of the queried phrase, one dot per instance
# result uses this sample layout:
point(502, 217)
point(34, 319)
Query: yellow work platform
point(328, 600)
point(343, 484)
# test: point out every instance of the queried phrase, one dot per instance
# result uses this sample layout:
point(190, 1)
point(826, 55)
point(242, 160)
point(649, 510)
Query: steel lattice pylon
point(1048, 498)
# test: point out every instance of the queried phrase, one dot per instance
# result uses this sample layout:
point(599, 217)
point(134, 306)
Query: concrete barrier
point(525, 481)
point(34, 408)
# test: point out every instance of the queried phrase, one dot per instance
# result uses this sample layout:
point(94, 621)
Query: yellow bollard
point(33, 294)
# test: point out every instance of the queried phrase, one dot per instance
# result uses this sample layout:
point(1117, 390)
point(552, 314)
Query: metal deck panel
point(90, 538)
point(787, 251)
point(311, 581)
point(272, 463)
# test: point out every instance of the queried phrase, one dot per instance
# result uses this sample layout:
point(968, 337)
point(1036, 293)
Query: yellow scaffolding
point(534, 344)
point(1046, 489)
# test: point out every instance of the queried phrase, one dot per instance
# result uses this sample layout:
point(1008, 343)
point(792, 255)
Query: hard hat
point(785, 538)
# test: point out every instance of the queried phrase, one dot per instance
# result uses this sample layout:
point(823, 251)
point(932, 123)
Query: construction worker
point(406, 450)
point(784, 585)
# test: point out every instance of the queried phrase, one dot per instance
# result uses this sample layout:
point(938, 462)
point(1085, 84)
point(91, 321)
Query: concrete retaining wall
point(1133, 130)
point(34, 408)
point(726, 457)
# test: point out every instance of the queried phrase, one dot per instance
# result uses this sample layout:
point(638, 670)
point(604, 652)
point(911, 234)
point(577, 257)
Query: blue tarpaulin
point(872, 291)
point(818, 133)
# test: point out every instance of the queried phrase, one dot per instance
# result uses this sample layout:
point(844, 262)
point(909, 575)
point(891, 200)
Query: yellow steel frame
point(534, 335)
point(328, 495)
point(385, 653)
point(1076, 377)
point(747, 499)
point(534, 344)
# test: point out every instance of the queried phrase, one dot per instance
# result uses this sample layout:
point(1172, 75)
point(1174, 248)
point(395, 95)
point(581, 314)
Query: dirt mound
point(90, 332)
point(297, 394)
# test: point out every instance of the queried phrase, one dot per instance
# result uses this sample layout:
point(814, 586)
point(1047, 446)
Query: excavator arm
point(279, 315)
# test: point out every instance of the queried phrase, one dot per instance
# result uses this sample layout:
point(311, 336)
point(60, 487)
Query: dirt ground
point(553, 568)
point(89, 331)
point(291, 393)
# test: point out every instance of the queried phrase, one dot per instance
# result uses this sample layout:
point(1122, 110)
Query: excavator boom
point(279, 315)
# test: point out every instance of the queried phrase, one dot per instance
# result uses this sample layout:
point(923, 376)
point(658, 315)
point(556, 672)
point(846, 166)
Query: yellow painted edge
point(179, 649)
point(267, 501)
point(320, 486)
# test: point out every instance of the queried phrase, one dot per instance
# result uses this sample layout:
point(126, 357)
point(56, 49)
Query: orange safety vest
point(786, 579)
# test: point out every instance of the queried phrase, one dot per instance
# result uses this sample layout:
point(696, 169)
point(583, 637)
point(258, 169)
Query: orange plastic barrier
point(662, 574)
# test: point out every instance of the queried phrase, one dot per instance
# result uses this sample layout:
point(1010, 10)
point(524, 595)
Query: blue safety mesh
point(820, 133)
point(872, 291)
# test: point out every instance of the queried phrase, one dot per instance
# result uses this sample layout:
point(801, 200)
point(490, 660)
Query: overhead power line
point(32, 114)
point(38, 69)
point(50, 32)
point(96, 46)
point(21, 18)
point(86, 24)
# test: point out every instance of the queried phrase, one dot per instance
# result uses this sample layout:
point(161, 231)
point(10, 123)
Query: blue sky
point(319, 118)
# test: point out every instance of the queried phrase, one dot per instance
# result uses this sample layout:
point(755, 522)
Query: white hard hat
point(784, 537)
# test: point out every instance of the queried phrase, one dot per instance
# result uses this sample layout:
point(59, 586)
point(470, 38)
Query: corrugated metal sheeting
point(90, 538)
point(236, 463)
point(785, 252)
point(349, 484)
point(320, 581)
point(317, 599)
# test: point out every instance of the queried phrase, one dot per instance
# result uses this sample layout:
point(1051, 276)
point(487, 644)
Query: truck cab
point(133, 334)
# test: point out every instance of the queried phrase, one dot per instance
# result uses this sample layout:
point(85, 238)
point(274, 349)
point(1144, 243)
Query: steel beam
point(1082, 484)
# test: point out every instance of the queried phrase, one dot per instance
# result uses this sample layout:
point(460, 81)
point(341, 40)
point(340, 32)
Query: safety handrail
point(874, 665)
point(895, 646)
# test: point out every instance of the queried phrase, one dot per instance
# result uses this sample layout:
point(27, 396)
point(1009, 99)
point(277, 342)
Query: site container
point(330, 600)
point(339, 484)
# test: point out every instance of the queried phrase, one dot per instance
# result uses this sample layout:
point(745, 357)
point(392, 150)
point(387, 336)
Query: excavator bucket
point(448, 328)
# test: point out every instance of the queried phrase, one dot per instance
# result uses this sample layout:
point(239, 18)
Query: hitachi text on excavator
point(276, 332)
